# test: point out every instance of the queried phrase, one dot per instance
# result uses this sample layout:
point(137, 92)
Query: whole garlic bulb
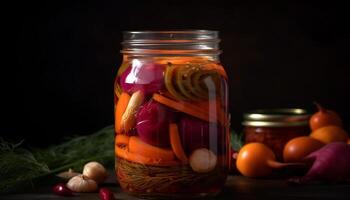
point(95, 171)
point(82, 183)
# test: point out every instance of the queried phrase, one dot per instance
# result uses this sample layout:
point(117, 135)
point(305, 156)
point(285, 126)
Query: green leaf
point(236, 140)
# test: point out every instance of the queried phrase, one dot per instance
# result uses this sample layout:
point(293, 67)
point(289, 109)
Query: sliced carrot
point(188, 108)
point(183, 106)
point(125, 154)
point(168, 95)
point(134, 157)
point(176, 143)
point(204, 105)
point(122, 68)
point(211, 103)
point(117, 89)
point(121, 139)
point(136, 145)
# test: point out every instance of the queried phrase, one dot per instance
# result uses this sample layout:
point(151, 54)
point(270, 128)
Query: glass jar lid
point(283, 117)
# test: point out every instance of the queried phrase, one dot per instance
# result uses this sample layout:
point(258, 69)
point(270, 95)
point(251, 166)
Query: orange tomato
point(296, 149)
point(330, 134)
point(324, 118)
point(252, 160)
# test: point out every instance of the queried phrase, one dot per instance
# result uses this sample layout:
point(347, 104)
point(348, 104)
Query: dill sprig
point(21, 166)
point(17, 164)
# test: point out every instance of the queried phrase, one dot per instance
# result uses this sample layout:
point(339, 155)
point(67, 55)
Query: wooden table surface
point(237, 187)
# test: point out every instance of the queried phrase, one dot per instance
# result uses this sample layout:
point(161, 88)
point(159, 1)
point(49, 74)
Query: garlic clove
point(95, 171)
point(82, 183)
point(203, 160)
point(68, 174)
point(128, 120)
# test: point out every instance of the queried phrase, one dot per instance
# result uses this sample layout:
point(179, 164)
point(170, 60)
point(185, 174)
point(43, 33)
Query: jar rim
point(173, 31)
point(171, 42)
point(281, 117)
point(171, 34)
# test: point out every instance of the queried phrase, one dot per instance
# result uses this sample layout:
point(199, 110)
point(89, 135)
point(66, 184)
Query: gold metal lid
point(282, 117)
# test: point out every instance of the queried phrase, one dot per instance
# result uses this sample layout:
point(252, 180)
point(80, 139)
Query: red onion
point(62, 190)
point(152, 124)
point(146, 77)
point(106, 194)
point(196, 133)
point(330, 163)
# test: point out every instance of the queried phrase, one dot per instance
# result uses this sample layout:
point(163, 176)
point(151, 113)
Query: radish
point(330, 163)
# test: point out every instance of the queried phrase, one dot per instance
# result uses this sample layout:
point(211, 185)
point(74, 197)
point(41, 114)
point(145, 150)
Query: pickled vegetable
point(176, 143)
point(152, 124)
point(192, 82)
point(120, 109)
point(148, 78)
point(195, 134)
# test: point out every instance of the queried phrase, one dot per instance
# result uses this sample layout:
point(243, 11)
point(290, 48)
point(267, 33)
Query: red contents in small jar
point(274, 137)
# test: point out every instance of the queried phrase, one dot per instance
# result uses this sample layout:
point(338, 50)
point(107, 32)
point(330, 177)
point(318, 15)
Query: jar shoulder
point(199, 64)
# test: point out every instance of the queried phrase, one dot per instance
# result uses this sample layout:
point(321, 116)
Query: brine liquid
point(152, 95)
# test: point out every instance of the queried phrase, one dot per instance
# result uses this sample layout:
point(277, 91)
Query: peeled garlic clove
point(95, 171)
point(203, 160)
point(128, 118)
point(82, 183)
point(68, 174)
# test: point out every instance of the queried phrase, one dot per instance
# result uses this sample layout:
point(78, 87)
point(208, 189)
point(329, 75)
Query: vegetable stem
point(278, 165)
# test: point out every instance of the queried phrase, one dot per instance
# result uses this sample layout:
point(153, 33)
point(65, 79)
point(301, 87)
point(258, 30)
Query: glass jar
point(275, 127)
point(171, 115)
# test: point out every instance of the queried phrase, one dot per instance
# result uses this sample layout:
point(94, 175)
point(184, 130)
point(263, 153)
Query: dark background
point(61, 58)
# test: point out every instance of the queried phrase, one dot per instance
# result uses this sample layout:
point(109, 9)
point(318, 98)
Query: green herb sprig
point(19, 165)
point(237, 140)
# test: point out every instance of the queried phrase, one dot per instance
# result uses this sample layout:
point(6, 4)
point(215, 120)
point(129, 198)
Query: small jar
point(275, 127)
point(171, 115)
